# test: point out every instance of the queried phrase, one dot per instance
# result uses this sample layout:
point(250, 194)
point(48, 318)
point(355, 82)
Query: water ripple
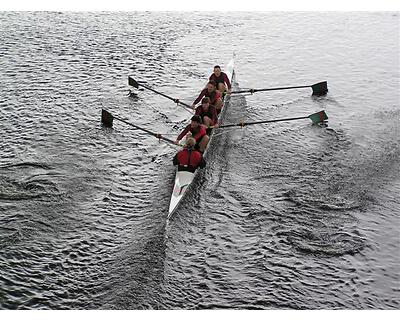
point(285, 215)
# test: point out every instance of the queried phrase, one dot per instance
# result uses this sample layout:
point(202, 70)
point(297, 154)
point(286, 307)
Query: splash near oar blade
point(320, 88)
point(106, 118)
point(318, 117)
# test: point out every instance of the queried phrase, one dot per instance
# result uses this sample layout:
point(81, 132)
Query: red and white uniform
point(223, 78)
point(197, 133)
point(211, 113)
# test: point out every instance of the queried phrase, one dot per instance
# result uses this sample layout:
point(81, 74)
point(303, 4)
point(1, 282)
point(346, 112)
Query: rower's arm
point(215, 117)
point(183, 133)
point(201, 95)
point(227, 81)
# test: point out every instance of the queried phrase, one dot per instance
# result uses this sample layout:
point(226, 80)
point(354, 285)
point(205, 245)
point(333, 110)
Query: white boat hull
point(183, 179)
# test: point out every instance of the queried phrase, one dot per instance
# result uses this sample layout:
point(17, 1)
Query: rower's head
point(190, 143)
point(196, 121)
point(205, 102)
point(217, 71)
point(211, 86)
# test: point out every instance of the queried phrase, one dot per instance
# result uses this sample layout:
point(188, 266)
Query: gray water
point(285, 216)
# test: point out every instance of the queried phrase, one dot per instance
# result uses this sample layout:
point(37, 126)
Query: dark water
point(285, 216)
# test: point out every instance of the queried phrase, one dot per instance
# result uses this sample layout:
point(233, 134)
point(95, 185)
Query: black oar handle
point(157, 135)
point(242, 124)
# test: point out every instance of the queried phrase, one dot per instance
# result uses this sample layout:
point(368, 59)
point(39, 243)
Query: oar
point(315, 117)
point(132, 82)
point(319, 89)
point(107, 120)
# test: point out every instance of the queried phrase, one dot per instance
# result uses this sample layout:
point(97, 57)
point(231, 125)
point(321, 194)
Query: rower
point(207, 113)
point(189, 159)
point(198, 131)
point(221, 80)
point(211, 92)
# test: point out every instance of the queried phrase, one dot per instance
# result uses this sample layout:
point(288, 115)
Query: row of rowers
point(207, 112)
point(206, 116)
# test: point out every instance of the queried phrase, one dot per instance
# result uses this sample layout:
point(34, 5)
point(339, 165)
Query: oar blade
point(320, 88)
point(106, 118)
point(132, 82)
point(318, 117)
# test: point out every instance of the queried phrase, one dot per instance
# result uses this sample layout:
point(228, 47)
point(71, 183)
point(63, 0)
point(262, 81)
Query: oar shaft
point(260, 122)
point(269, 89)
point(168, 97)
point(159, 136)
point(160, 93)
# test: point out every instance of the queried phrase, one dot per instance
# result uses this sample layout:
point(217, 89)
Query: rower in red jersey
point(207, 113)
point(197, 131)
point(211, 92)
point(221, 80)
point(189, 159)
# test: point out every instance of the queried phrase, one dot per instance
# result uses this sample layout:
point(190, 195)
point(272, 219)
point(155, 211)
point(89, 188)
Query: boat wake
point(34, 182)
point(325, 242)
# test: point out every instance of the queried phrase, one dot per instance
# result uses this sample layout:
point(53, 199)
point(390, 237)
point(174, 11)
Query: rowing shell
point(184, 179)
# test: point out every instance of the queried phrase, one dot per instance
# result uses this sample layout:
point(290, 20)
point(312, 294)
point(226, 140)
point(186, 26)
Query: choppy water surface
point(286, 215)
